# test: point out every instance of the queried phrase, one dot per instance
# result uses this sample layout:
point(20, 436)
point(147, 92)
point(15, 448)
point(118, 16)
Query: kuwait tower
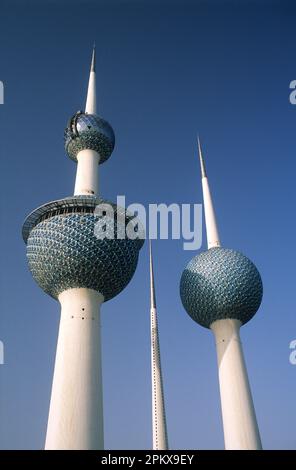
point(79, 253)
point(221, 289)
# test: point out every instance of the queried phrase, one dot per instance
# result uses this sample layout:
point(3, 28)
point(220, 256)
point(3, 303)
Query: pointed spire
point(202, 163)
point(159, 427)
point(91, 100)
point(210, 217)
point(152, 288)
point(93, 59)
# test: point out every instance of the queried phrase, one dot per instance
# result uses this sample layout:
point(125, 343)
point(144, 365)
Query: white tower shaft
point(76, 407)
point(87, 179)
point(159, 429)
point(238, 413)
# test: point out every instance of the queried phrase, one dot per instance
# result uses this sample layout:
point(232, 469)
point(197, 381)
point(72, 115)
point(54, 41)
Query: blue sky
point(166, 70)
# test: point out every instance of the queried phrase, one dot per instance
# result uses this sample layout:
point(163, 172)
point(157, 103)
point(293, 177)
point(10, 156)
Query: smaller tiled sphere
point(89, 131)
point(221, 283)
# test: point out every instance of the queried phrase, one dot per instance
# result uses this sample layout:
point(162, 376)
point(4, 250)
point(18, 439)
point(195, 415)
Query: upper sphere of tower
point(89, 131)
point(220, 283)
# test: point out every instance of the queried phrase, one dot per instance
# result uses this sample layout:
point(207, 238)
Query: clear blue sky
point(166, 70)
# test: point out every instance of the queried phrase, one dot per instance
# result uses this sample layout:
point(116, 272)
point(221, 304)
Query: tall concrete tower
point(221, 289)
point(76, 256)
point(159, 428)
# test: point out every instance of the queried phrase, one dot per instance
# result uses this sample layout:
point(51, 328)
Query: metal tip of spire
point(152, 290)
point(91, 100)
point(93, 59)
point(202, 163)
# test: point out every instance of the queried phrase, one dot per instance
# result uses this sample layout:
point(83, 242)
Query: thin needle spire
point(159, 429)
point(210, 217)
point(93, 59)
point(202, 163)
point(152, 287)
point(91, 100)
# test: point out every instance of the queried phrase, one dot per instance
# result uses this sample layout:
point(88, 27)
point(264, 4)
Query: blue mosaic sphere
point(70, 246)
point(221, 283)
point(89, 131)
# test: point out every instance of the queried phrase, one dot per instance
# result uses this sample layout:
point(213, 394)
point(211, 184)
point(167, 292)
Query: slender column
point(76, 407)
point(160, 440)
point(239, 420)
point(159, 429)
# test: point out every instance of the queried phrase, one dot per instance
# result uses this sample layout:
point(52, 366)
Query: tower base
point(76, 408)
point(239, 420)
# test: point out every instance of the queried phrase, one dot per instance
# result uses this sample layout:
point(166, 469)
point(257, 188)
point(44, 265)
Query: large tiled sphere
point(220, 283)
point(89, 131)
point(66, 249)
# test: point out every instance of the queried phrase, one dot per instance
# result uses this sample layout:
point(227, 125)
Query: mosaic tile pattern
point(65, 251)
point(220, 283)
point(89, 131)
